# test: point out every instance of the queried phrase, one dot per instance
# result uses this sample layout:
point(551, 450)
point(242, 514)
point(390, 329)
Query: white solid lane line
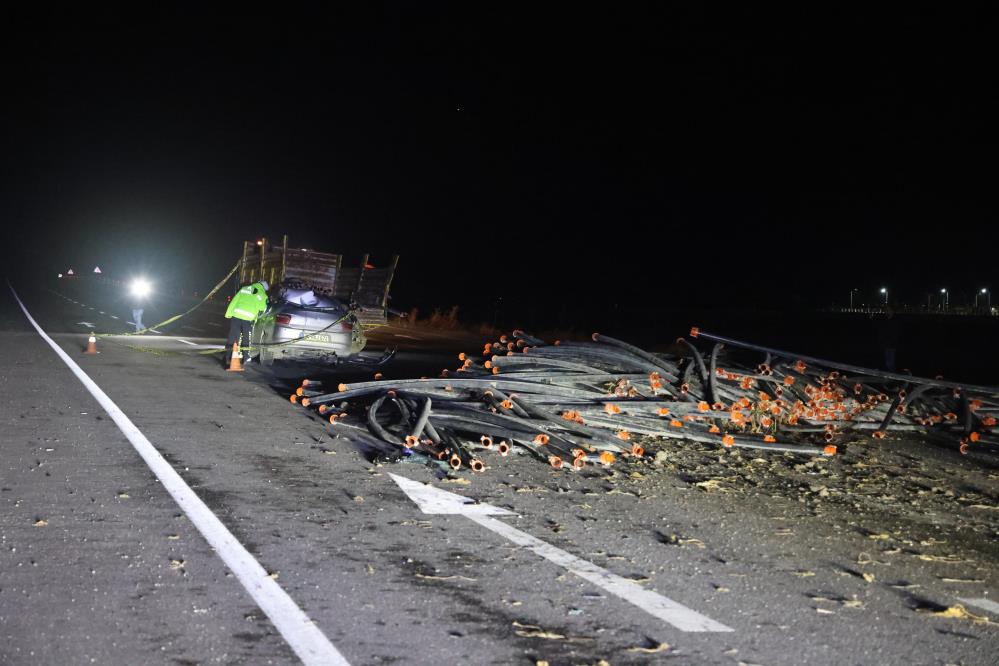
point(187, 343)
point(986, 604)
point(308, 642)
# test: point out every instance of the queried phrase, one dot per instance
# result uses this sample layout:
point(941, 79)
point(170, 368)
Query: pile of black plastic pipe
point(575, 403)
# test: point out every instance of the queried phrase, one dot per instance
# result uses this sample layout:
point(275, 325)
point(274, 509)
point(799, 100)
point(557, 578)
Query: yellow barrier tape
point(152, 350)
point(183, 314)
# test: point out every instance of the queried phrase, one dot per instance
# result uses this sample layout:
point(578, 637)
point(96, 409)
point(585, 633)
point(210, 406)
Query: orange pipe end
point(637, 451)
point(294, 398)
point(454, 461)
point(503, 448)
point(829, 450)
point(487, 441)
point(305, 402)
point(607, 457)
point(477, 465)
point(555, 462)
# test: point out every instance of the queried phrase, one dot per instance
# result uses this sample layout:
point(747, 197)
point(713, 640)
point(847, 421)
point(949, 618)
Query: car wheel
point(266, 355)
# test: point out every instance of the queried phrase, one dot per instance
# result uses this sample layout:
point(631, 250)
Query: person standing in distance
point(243, 310)
point(138, 295)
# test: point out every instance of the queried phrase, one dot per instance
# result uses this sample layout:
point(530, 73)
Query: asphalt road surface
point(187, 515)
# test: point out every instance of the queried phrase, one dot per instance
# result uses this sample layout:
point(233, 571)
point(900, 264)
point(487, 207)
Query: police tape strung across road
point(204, 300)
point(575, 403)
point(174, 318)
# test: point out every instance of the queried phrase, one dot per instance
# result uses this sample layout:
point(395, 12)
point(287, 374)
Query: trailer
point(319, 304)
point(358, 284)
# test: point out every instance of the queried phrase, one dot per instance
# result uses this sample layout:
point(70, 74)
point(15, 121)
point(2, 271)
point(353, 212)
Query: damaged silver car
point(303, 326)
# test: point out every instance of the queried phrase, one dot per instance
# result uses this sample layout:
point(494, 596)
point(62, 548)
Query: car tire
point(266, 355)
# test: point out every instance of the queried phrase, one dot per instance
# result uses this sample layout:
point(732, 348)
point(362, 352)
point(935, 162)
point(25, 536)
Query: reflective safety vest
point(248, 302)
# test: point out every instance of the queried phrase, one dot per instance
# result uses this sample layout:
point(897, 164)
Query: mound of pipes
point(574, 403)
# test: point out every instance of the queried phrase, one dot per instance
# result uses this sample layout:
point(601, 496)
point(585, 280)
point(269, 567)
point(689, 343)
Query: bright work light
point(140, 287)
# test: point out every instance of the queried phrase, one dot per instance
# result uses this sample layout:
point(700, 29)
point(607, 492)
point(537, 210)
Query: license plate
point(319, 337)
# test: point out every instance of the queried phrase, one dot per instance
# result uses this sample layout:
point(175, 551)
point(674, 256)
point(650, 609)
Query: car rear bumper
point(290, 344)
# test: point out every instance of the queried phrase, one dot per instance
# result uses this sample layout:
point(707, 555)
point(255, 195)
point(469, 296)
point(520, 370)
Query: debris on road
point(576, 403)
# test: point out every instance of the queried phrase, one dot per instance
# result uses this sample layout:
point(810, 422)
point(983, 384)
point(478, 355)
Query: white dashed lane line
point(986, 604)
point(433, 500)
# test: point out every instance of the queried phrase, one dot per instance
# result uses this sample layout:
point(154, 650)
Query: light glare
point(140, 287)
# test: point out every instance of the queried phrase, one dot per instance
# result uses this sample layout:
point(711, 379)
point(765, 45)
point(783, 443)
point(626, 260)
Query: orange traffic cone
point(92, 346)
point(235, 364)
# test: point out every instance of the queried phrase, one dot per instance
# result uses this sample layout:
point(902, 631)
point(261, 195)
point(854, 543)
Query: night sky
point(666, 155)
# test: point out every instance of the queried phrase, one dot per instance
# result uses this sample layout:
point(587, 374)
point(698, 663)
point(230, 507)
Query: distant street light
point(946, 299)
point(988, 298)
point(884, 292)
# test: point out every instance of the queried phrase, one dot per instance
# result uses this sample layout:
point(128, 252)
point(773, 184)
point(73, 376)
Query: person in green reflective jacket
point(243, 310)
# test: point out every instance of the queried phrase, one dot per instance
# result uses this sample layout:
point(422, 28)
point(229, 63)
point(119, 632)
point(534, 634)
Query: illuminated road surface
point(101, 561)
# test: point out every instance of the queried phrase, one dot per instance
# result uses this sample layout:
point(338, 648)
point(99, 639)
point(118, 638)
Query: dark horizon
point(653, 156)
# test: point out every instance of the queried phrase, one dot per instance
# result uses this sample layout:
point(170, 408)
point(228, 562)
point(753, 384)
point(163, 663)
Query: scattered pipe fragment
point(570, 404)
